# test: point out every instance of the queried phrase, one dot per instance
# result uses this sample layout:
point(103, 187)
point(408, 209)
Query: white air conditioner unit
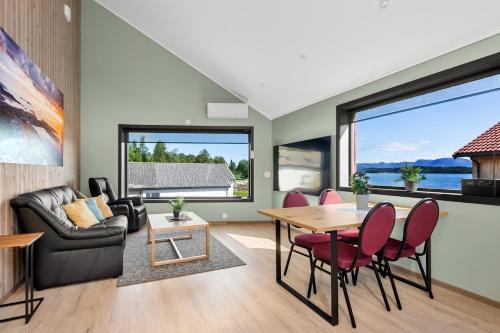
point(227, 110)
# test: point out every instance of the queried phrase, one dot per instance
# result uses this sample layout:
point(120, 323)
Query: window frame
point(471, 71)
point(124, 129)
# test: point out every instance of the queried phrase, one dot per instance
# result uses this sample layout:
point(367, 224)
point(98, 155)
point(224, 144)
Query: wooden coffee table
point(159, 223)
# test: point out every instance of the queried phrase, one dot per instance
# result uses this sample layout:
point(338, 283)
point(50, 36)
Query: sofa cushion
point(80, 214)
point(103, 206)
point(92, 205)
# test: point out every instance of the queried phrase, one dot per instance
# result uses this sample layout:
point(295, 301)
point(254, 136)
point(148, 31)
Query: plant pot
point(362, 201)
point(177, 213)
point(411, 186)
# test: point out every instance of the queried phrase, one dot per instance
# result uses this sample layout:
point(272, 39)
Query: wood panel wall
point(40, 28)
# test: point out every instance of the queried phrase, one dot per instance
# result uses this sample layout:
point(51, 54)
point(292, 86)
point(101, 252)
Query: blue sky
point(230, 146)
point(429, 132)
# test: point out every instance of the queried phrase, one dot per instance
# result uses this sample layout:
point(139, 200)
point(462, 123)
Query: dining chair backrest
point(295, 198)
point(376, 228)
point(421, 222)
point(329, 197)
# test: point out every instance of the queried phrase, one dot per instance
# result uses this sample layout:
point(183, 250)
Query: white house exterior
point(169, 180)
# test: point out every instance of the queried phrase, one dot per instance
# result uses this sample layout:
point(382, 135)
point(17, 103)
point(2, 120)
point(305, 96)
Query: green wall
point(129, 79)
point(465, 244)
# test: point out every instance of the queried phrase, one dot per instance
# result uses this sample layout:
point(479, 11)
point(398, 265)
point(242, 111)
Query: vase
point(411, 186)
point(177, 213)
point(362, 201)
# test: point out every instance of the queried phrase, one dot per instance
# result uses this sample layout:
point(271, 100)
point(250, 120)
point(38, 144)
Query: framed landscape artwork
point(31, 110)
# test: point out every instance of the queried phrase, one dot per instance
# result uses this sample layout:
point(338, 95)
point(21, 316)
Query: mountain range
point(437, 163)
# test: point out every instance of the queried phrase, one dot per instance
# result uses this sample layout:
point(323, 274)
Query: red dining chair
point(373, 234)
point(418, 228)
point(295, 198)
point(330, 197)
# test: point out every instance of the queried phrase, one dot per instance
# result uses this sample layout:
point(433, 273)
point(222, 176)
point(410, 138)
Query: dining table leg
point(278, 251)
point(334, 287)
point(333, 316)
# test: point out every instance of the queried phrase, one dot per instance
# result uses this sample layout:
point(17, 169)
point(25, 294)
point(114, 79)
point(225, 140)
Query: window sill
point(198, 200)
point(444, 196)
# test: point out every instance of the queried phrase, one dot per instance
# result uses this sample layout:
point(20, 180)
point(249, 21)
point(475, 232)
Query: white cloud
point(400, 146)
point(425, 142)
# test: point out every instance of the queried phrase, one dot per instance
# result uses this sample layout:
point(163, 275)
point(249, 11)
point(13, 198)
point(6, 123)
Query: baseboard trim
point(4, 298)
point(463, 292)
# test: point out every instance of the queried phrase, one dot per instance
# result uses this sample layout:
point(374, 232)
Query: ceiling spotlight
point(383, 4)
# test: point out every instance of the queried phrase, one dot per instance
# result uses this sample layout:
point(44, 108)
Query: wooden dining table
point(328, 219)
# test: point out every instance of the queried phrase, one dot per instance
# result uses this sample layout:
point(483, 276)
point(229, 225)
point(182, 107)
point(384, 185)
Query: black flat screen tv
point(303, 166)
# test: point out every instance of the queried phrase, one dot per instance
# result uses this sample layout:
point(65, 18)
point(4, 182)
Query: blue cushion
point(92, 204)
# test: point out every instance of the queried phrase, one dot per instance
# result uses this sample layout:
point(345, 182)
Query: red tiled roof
point(486, 143)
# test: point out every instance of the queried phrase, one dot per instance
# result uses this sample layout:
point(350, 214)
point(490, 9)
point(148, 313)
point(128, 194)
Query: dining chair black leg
point(355, 276)
point(383, 271)
point(346, 296)
point(424, 276)
point(311, 279)
point(384, 296)
point(393, 285)
point(311, 262)
point(288, 259)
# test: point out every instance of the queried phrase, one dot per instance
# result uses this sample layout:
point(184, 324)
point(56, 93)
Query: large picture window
point(430, 127)
point(198, 163)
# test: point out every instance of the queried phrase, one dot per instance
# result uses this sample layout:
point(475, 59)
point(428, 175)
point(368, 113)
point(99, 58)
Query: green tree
point(138, 152)
point(242, 169)
point(203, 156)
point(232, 167)
point(219, 160)
point(134, 154)
point(143, 151)
point(160, 153)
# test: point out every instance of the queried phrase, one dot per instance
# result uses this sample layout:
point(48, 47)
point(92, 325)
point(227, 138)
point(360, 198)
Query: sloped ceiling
point(283, 55)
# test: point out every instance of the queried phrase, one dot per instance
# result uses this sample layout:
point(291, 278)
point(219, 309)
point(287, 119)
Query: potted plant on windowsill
point(177, 206)
point(411, 176)
point(359, 185)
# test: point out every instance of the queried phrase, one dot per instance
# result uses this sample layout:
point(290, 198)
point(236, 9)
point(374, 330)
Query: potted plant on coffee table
point(411, 176)
point(177, 206)
point(359, 186)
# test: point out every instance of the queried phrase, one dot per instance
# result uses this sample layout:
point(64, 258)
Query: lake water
point(434, 180)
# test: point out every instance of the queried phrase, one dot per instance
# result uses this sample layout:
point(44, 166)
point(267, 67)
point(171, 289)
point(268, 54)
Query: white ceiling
point(283, 55)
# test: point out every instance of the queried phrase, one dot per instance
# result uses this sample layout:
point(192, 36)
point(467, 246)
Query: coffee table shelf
point(159, 223)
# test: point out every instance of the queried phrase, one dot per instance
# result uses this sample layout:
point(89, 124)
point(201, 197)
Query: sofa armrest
point(120, 209)
point(136, 201)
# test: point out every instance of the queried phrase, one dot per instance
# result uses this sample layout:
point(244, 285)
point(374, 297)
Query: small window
point(159, 163)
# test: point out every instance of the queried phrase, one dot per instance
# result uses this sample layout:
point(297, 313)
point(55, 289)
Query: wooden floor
point(246, 299)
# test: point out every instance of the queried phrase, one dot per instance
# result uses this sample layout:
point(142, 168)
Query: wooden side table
point(26, 241)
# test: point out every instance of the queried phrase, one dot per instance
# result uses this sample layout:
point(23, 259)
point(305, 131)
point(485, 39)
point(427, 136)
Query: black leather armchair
point(137, 211)
point(66, 254)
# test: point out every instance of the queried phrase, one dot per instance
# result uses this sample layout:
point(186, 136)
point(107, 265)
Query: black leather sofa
point(138, 215)
point(66, 254)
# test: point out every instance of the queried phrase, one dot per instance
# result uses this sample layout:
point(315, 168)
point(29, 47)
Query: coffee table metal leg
point(31, 277)
point(153, 248)
point(26, 282)
point(207, 241)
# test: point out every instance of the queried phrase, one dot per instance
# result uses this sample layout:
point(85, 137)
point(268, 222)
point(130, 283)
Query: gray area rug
point(137, 257)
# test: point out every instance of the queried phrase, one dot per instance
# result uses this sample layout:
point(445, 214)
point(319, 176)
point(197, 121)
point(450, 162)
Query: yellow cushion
point(103, 206)
point(80, 214)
